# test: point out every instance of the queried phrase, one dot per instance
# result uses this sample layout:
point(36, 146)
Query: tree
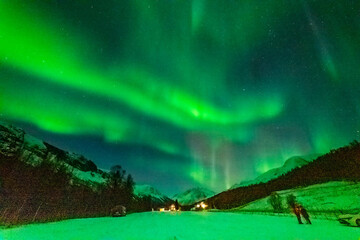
point(117, 175)
point(115, 192)
point(291, 200)
point(176, 205)
point(354, 143)
point(130, 184)
point(129, 189)
point(275, 202)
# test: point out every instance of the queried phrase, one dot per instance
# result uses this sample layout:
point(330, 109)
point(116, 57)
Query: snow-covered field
point(183, 225)
point(331, 196)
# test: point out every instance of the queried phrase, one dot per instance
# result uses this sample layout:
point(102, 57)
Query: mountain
point(38, 174)
point(15, 142)
point(193, 195)
point(289, 165)
point(342, 164)
point(149, 191)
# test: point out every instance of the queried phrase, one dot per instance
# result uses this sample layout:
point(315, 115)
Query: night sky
point(183, 93)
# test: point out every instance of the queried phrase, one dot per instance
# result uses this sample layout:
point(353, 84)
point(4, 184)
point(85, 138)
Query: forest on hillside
point(48, 191)
point(342, 164)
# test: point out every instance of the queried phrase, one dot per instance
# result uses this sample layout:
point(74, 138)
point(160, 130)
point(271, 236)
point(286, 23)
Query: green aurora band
point(231, 90)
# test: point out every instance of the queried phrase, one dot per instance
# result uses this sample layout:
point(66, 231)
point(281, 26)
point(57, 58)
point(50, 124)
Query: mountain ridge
point(31, 150)
point(290, 164)
point(146, 190)
point(341, 164)
point(193, 195)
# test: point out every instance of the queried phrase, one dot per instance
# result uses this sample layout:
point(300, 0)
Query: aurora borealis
point(183, 93)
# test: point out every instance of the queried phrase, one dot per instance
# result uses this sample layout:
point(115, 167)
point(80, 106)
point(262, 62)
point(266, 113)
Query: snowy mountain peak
point(290, 164)
point(146, 190)
point(193, 195)
point(149, 191)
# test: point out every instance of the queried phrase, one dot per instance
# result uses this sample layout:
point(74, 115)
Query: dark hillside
point(339, 164)
point(37, 183)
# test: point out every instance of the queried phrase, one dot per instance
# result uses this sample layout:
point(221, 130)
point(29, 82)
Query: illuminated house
point(199, 206)
point(172, 207)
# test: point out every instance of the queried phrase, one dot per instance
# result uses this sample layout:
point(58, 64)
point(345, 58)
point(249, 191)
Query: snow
point(89, 176)
point(33, 142)
point(34, 151)
point(193, 195)
point(147, 190)
point(289, 165)
point(183, 225)
point(331, 196)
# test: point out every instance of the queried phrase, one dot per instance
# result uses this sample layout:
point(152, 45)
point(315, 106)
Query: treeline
point(48, 192)
point(342, 164)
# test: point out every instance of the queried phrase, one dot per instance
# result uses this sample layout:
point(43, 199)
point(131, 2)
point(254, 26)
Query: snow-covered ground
point(331, 196)
point(183, 225)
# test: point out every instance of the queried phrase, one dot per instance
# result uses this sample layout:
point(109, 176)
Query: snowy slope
point(183, 226)
point(149, 191)
point(33, 142)
point(289, 165)
point(88, 177)
point(33, 151)
point(193, 195)
point(331, 196)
